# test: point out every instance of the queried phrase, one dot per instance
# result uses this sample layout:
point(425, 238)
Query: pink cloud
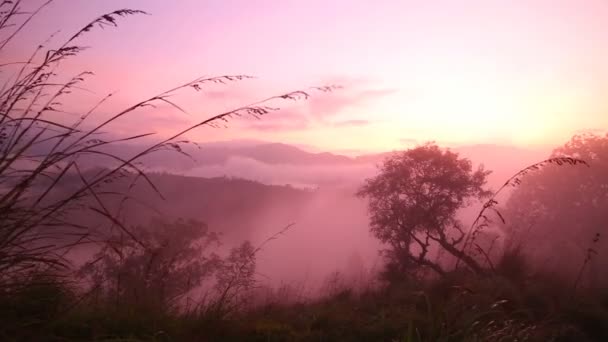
point(158, 121)
point(351, 123)
point(331, 104)
point(283, 120)
point(319, 108)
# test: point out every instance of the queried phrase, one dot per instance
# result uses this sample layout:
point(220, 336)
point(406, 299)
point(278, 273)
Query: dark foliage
point(413, 204)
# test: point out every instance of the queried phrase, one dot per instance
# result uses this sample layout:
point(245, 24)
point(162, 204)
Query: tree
point(175, 260)
point(413, 204)
point(235, 277)
point(563, 209)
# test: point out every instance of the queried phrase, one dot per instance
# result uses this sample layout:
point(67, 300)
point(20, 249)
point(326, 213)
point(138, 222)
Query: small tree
point(413, 204)
point(235, 277)
point(176, 260)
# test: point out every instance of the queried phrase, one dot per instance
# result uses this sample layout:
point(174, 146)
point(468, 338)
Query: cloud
point(408, 141)
point(300, 175)
point(215, 94)
point(330, 104)
point(283, 120)
point(351, 123)
point(302, 115)
point(151, 121)
point(318, 109)
point(236, 92)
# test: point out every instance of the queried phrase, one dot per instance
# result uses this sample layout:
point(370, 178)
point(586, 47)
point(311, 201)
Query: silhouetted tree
point(235, 277)
point(562, 209)
point(175, 260)
point(413, 204)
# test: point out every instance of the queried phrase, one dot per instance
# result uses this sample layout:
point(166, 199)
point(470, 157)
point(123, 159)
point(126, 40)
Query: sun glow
point(411, 71)
point(466, 107)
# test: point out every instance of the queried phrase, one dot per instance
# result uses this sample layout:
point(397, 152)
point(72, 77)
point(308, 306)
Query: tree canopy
point(562, 208)
point(414, 200)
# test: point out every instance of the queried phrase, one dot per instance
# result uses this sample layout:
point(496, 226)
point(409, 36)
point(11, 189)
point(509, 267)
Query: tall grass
point(40, 148)
point(483, 220)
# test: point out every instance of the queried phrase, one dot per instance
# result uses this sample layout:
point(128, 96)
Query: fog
point(303, 170)
point(245, 197)
point(301, 176)
point(330, 229)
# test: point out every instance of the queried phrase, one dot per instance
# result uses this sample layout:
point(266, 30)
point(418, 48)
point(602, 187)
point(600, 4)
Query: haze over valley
point(348, 170)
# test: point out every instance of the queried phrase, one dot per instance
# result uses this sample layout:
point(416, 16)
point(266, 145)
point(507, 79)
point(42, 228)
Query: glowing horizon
point(518, 72)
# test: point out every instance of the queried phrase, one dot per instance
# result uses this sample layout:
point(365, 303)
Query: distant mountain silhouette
point(277, 153)
point(244, 206)
point(218, 153)
point(502, 159)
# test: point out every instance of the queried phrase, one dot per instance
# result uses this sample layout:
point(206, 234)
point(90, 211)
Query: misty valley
point(467, 201)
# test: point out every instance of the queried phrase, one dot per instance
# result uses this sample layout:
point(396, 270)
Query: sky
point(525, 73)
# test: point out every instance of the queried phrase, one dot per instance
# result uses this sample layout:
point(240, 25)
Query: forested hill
point(227, 205)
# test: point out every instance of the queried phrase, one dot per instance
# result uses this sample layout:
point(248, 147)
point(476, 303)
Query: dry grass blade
point(40, 199)
point(108, 19)
point(13, 12)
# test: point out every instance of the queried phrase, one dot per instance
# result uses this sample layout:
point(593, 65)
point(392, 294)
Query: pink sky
point(458, 72)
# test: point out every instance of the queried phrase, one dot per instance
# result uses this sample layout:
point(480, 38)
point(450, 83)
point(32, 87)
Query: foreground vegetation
point(459, 307)
point(167, 281)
